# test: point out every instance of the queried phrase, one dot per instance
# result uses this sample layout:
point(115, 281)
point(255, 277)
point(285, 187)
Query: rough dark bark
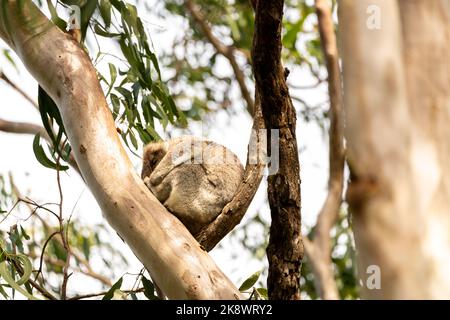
point(285, 249)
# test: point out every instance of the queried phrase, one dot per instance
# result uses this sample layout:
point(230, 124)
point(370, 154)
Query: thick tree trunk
point(285, 249)
point(175, 260)
point(397, 99)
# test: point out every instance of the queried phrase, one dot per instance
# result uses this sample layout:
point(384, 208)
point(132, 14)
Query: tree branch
point(285, 250)
point(5, 78)
point(320, 247)
point(224, 50)
point(30, 128)
point(234, 211)
point(23, 128)
point(93, 295)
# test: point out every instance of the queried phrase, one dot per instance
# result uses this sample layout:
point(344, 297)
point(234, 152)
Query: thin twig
point(93, 295)
point(78, 257)
point(5, 78)
point(30, 128)
point(224, 50)
point(64, 239)
point(319, 249)
point(41, 259)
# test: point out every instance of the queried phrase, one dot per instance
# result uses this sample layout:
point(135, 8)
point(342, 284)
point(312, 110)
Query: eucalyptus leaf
point(250, 282)
point(116, 286)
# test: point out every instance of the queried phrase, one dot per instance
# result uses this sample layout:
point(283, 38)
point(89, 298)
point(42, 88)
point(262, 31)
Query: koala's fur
point(193, 178)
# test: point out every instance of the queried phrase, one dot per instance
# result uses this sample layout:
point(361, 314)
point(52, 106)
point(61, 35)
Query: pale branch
point(234, 211)
point(30, 128)
point(307, 87)
point(27, 97)
point(285, 249)
point(226, 51)
point(170, 253)
point(23, 128)
point(319, 249)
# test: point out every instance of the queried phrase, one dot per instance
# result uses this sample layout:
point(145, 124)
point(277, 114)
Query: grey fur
point(193, 178)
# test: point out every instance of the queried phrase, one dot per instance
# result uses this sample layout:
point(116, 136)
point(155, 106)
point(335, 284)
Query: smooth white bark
point(397, 100)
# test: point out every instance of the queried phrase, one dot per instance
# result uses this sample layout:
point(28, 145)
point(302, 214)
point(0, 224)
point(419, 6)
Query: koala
point(193, 178)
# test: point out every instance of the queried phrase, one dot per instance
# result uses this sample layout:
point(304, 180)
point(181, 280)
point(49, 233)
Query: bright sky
point(39, 183)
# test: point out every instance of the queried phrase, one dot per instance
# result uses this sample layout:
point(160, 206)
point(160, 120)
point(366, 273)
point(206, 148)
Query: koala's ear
point(153, 153)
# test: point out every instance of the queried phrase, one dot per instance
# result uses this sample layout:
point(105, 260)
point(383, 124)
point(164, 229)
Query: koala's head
point(153, 153)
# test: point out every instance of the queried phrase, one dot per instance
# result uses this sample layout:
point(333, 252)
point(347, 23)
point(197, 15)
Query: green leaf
point(116, 105)
point(2, 292)
point(26, 265)
point(250, 281)
point(86, 247)
point(54, 16)
point(49, 112)
point(58, 250)
point(98, 29)
point(24, 233)
point(86, 13)
point(66, 152)
point(113, 73)
point(149, 289)
point(290, 38)
point(15, 238)
point(105, 12)
point(263, 293)
point(154, 61)
point(133, 140)
point(7, 54)
point(130, 15)
point(116, 286)
point(42, 157)
point(153, 133)
point(125, 93)
point(6, 275)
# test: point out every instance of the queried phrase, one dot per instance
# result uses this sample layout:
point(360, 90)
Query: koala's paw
point(155, 179)
point(147, 181)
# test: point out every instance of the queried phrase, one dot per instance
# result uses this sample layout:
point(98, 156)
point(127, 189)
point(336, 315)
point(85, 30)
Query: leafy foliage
point(136, 92)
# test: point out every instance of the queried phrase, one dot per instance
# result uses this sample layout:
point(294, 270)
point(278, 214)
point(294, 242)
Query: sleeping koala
point(193, 178)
